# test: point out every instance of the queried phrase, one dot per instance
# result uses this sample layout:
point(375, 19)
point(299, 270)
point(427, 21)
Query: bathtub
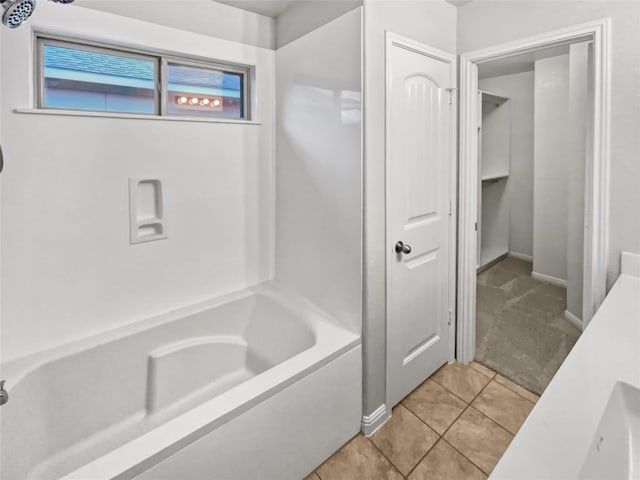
point(255, 384)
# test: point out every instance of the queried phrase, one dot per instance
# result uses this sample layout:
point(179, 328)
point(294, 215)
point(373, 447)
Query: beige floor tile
point(404, 439)
point(479, 439)
point(505, 407)
point(505, 382)
point(463, 380)
point(433, 404)
point(484, 370)
point(358, 459)
point(313, 476)
point(444, 462)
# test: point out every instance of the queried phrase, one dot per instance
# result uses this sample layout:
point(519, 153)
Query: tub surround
point(86, 276)
point(556, 438)
point(319, 167)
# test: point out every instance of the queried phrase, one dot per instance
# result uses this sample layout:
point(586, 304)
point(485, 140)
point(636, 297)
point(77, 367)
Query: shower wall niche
point(147, 219)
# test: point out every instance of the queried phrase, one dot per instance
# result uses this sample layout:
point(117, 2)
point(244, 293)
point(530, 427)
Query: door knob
point(402, 247)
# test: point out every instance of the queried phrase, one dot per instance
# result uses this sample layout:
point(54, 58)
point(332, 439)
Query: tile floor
point(454, 426)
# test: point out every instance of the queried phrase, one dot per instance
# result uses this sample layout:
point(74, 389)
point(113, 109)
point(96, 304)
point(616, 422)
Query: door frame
point(596, 232)
point(391, 40)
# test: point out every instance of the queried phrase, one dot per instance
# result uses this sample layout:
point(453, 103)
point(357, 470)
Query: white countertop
point(555, 439)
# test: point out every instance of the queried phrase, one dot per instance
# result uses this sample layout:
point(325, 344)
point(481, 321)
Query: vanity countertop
point(554, 441)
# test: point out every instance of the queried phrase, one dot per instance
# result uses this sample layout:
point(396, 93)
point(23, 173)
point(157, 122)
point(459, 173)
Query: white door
point(420, 225)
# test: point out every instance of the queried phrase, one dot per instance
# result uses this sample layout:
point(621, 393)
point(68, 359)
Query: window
point(85, 78)
point(74, 76)
point(204, 91)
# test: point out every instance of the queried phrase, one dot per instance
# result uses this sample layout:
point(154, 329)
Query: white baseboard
point(573, 319)
point(549, 279)
point(371, 423)
point(630, 264)
point(521, 256)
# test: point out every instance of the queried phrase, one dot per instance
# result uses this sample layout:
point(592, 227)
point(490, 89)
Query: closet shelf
point(498, 176)
point(492, 98)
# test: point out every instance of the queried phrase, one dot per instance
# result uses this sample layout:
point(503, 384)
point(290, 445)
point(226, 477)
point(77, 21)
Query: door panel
point(419, 167)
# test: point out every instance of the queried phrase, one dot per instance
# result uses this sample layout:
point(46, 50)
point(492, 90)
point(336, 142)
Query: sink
point(615, 450)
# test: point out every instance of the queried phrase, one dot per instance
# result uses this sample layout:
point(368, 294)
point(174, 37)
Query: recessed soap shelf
point(147, 221)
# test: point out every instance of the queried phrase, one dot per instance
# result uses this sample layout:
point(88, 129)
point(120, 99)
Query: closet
point(493, 175)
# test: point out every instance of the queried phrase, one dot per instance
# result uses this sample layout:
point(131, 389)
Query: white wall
point(206, 17)
point(68, 269)
point(485, 23)
point(551, 166)
point(434, 23)
point(519, 89)
point(303, 17)
point(319, 167)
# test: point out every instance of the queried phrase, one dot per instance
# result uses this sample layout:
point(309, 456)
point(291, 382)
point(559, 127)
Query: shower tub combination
point(255, 384)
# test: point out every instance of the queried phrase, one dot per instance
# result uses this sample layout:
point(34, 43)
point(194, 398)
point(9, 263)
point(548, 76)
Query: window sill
point(132, 116)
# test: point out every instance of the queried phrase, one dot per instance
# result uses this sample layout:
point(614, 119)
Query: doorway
point(531, 156)
point(593, 232)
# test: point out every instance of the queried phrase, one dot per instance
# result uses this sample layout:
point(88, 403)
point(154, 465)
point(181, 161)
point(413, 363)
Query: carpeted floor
point(521, 331)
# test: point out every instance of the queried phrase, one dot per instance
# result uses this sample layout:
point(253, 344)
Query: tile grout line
point(452, 393)
point(460, 451)
point(498, 422)
point(425, 455)
point(465, 457)
point(430, 428)
point(441, 437)
point(393, 465)
point(493, 379)
point(512, 391)
point(453, 423)
point(469, 405)
point(315, 470)
point(487, 416)
point(495, 375)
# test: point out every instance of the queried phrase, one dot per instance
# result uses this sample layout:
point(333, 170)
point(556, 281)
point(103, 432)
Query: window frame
point(161, 61)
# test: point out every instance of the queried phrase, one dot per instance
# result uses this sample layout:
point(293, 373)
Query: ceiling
point(273, 8)
point(270, 8)
point(458, 3)
point(517, 63)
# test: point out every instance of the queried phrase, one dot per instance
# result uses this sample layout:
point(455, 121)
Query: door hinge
point(476, 226)
point(450, 208)
point(450, 316)
point(452, 91)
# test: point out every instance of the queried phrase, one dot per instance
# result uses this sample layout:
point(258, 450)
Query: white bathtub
point(217, 390)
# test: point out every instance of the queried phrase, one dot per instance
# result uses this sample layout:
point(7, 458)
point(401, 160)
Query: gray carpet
point(521, 331)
